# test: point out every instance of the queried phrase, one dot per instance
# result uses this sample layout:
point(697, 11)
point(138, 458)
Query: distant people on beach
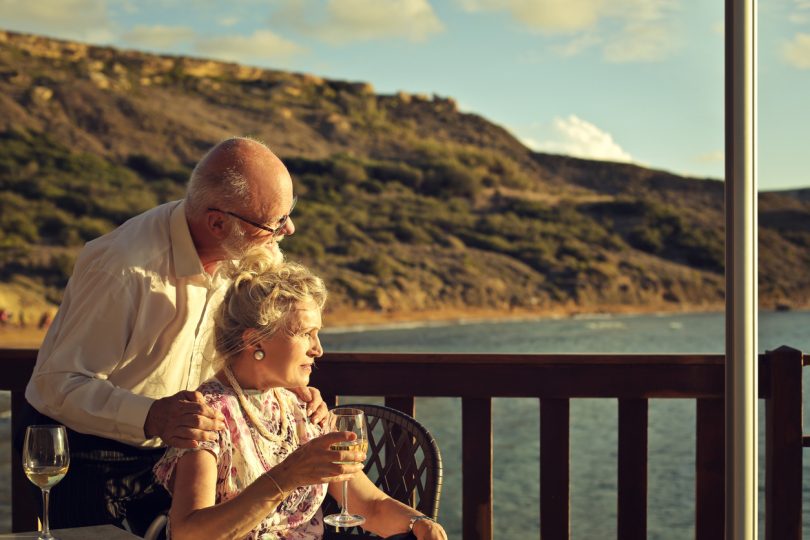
point(133, 335)
point(44, 320)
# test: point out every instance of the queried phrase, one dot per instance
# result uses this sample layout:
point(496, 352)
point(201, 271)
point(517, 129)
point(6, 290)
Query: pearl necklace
point(250, 412)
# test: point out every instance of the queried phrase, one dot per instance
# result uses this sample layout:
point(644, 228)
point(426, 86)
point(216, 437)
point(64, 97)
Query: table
point(98, 532)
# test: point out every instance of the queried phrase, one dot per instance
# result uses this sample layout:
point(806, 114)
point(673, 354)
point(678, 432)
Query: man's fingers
point(315, 400)
point(204, 411)
point(320, 415)
point(195, 434)
point(179, 442)
point(199, 422)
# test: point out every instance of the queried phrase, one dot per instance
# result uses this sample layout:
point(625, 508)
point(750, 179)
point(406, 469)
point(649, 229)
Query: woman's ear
point(250, 335)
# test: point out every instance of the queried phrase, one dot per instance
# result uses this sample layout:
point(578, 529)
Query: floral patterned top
point(243, 455)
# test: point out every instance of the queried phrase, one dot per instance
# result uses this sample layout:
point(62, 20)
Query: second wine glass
point(348, 419)
point(45, 460)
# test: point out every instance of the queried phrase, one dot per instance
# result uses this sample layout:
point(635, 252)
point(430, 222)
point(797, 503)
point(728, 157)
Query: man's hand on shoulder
point(316, 408)
point(183, 420)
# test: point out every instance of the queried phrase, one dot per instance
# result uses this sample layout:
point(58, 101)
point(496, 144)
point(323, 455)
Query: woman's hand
point(316, 463)
point(426, 529)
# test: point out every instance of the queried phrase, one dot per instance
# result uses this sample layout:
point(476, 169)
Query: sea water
point(594, 422)
point(593, 437)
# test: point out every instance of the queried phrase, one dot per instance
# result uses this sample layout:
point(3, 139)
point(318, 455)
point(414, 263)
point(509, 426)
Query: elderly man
point(133, 333)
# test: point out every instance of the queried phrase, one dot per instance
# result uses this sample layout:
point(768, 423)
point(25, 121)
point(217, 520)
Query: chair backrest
point(403, 461)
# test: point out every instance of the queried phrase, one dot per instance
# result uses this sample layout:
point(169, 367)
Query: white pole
point(741, 271)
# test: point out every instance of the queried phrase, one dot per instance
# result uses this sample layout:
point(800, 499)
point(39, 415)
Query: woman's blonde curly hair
point(263, 293)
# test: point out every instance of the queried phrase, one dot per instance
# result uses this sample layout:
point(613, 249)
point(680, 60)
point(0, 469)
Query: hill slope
point(407, 204)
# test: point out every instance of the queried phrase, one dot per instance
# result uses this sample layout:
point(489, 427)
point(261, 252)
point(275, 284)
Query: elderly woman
point(268, 472)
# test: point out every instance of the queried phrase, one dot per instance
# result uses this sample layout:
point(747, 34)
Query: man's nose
point(289, 227)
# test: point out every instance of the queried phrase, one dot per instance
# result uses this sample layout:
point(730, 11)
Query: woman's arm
point(384, 516)
point(195, 514)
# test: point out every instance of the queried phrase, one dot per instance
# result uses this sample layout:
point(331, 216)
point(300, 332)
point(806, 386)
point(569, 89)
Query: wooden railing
point(555, 380)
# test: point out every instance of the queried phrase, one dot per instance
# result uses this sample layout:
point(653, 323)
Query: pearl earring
point(258, 354)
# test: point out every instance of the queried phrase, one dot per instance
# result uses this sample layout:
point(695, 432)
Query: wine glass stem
point(46, 529)
point(345, 510)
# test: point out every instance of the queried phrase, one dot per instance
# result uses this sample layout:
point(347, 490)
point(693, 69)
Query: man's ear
point(215, 222)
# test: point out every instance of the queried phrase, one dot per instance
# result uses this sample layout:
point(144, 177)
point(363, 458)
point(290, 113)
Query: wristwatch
point(414, 519)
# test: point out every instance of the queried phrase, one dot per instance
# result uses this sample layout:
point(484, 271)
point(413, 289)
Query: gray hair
point(262, 295)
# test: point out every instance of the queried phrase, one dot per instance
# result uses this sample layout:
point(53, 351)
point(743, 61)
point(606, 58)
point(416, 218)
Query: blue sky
point(624, 80)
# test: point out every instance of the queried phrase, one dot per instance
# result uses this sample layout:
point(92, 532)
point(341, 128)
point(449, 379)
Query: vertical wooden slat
point(632, 482)
point(783, 445)
point(476, 467)
point(406, 404)
point(554, 470)
point(25, 506)
point(710, 470)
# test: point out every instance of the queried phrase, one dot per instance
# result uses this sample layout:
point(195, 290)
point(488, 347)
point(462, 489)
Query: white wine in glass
point(348, 419)
point(46, 459)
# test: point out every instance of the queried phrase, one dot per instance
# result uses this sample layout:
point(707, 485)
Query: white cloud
point(229, 21)
point(346, 21)
point(262, 45)
point(577, 137)
point(545, 15)
point(797, 52)
point(86, 20)
point(158, 36)
point(640, 42)
point(801, 13)
point(717, 156)
point(626, 30)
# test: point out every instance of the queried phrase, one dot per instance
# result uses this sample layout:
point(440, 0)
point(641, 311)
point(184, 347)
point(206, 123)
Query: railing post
point(25, 505)
point(476, 468)
point(555, 513)
point(710, 469)
point(783, 445)
point(632, 499)
point(406, 404)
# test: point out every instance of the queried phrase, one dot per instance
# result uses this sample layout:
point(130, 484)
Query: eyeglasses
point(272, 230)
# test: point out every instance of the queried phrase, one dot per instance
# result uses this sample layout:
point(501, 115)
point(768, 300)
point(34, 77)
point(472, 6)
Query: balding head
point(239, 175)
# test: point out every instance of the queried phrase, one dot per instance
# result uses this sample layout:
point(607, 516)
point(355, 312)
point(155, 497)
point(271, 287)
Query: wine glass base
point(344, 520)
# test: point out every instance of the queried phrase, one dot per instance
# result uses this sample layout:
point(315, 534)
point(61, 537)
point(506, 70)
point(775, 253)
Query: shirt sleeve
point(221, 448)
point(86, 343)
point(164, 468)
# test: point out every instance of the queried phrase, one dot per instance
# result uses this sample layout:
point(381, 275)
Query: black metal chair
point(403, 460)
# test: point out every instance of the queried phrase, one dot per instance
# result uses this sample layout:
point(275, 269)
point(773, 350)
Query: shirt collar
point(186, 260)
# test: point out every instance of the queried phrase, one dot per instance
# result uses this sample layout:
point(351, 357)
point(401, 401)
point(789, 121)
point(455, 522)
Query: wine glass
point(348, 419)
point(45, 461)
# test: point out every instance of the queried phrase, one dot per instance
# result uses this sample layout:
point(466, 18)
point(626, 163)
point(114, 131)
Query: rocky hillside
point(406, 203)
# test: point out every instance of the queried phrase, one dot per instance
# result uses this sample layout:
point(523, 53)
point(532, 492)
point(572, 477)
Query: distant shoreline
point(352, 320)
point(345, 320)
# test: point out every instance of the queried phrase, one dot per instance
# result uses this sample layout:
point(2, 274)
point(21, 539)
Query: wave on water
point(605, 325)
point(413, 325)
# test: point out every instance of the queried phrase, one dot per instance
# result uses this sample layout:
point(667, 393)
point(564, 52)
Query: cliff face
point(406, 203)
